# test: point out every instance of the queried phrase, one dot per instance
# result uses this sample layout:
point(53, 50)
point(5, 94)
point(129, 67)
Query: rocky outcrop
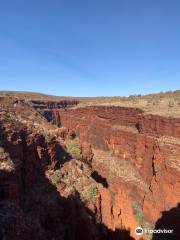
point(147, 145)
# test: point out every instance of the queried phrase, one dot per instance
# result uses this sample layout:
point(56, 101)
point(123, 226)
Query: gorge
point(123, 174)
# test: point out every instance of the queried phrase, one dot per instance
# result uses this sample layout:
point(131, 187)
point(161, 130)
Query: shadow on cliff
point(31, 208)
point(61, 155)
point(169, 220)
point(98, 178)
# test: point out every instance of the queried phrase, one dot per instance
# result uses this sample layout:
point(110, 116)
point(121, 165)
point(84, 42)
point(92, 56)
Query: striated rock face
point(121, 116)
point(144, 160)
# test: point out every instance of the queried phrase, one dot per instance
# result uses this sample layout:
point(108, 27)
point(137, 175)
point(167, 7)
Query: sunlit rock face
point(144, 159)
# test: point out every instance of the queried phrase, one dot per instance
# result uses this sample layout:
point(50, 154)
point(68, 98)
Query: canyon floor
point(89, 168)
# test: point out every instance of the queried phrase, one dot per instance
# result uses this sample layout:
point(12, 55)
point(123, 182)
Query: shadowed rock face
point(147, 145)
point(33, 205)
point(169, 220)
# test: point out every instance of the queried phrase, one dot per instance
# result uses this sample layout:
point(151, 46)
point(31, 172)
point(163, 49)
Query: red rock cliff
point(44, 193)
point(148, 148)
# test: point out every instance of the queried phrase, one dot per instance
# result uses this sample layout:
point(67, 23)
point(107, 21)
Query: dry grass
point(114, 167)
point(164, 104)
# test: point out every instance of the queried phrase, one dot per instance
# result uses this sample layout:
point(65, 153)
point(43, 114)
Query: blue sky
point(90, 48)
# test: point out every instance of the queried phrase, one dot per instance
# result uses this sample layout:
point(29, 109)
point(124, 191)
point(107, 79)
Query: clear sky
point(90, 47)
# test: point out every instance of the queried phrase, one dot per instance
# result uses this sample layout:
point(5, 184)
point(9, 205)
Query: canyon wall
point(52, 104)
point(127, 174)
point(143, 168)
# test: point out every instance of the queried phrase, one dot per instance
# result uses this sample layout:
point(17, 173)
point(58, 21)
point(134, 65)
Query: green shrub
point(55, 178)
point(74, 148)
point(46, 137)
point(141, 220)
point(138, 214)
point(92, 192)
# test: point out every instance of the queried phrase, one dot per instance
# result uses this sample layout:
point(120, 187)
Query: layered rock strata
point(138, 155)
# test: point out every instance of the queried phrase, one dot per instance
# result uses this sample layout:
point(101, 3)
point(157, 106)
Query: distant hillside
point(164, 103)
